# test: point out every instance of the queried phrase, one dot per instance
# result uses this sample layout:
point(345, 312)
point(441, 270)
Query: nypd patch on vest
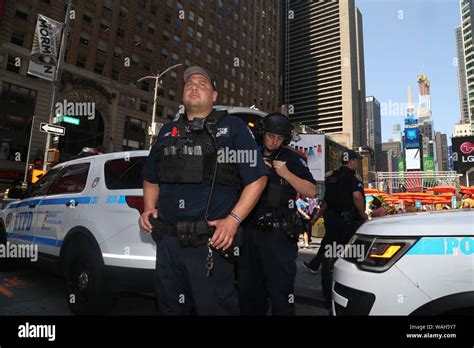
point(223, 132)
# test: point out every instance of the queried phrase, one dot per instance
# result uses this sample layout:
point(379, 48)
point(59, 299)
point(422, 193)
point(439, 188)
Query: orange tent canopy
point(450, 189)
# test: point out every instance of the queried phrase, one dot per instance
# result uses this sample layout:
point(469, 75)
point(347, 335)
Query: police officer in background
point(345, 212)
point(193, 221)
point(267, 267)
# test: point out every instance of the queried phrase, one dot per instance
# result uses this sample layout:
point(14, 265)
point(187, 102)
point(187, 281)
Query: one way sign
point(49, 128)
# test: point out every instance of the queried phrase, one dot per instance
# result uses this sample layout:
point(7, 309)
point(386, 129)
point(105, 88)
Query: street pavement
point(27, 290)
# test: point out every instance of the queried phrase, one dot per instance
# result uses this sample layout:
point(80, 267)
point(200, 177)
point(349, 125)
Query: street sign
point(49, 128)
point(68, 119)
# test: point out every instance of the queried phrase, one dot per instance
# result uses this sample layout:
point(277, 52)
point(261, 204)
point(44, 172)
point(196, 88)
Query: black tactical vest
point(278, 193)
point(336, 197)
point(190, 153)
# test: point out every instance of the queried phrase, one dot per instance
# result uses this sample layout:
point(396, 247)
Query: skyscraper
point(374, 129)
point(442, 151)
point(467, 13)
point(462, 88)
point(425, 118)
point(323, 68)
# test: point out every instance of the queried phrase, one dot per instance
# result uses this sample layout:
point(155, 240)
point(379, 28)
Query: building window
point(87, 16)
point(123, 12)
point(22, 11)
point(134, 134)
point(115, 75)
point(176, 41)
point(209, 59)
point(135, 60)
point(190, 32)
point(189, 47)
point(200, 21)
point(198, 36)
point(171, 95)
point(108, 4)
point(11, 65)
point(99, 68)
point(166, 35)
point(120, 33)
point(143, 105)
point(140, 22)
point(198, 52)
point(18, 38)
point(168, 18)
point(149, 47)
point(175, 58)
point(164, 53)
point(218, 48)
point(104, 24)
point(173, 76)
point(102, 46)
point(118, 52)
point(84, 39)
point(191, 15)
point(142, 3)
point(151, 28)
point(145, 85)
point(81, 61)
point(137, 40)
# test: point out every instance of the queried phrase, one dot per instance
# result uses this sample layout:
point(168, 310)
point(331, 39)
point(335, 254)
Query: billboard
point(463, 153)
point(412, 159)
point(412, 138)
point(428, 164)
point(313, 148)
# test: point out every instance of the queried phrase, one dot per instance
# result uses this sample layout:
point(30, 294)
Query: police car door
point(60, 209)
point(21, 216)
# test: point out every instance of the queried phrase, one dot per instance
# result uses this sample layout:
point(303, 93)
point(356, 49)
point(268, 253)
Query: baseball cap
point(348, 155)
point(201, 71)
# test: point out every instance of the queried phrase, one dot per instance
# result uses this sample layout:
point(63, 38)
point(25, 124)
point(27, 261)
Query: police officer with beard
point(194, 202)
point(267, 267)
point(345, 212)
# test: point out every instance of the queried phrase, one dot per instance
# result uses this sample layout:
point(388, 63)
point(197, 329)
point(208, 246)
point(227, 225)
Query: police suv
point(83, 215)
point(414, 264)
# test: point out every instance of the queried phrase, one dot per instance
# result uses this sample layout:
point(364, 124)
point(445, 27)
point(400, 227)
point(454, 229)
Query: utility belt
point(347, 215)
point(290, 224)
point(192, 234)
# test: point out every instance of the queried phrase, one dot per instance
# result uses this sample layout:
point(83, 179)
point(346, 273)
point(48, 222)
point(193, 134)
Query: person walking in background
point(377, 210)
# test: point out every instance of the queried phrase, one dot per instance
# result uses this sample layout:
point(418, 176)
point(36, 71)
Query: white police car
point(415, 264)
point(83, 215)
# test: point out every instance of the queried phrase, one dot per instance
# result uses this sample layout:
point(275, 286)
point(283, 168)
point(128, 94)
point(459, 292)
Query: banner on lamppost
point(44, 51)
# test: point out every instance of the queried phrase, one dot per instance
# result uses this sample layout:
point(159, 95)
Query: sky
point(401, 36)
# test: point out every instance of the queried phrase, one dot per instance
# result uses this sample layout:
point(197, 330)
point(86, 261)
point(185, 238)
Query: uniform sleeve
point(149, 169)
point(242, 139)
point(298, 166)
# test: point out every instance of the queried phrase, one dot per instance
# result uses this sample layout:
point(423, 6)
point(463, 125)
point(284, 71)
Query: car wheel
point(88, 291)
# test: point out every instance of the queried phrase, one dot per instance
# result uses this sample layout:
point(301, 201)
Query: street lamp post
point(157, 84)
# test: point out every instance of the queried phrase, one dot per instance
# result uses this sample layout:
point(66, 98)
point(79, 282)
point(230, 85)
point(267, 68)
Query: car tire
point(88, 292)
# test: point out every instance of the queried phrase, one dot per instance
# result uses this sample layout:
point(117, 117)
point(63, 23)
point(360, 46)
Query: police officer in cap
point(195, 201)
point(267, 267)
point(345, 212)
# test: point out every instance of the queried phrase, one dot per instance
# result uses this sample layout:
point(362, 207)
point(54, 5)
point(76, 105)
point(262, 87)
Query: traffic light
point(53, 156)
point(37, 163)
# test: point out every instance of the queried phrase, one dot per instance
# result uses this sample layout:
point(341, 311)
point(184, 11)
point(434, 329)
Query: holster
point(192, 233)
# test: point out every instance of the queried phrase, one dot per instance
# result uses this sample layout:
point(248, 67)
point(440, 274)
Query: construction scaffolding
point(393, 182)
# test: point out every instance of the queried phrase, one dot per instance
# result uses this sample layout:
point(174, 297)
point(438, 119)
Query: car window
point(72, 179)
point(124, 174)
point(44, 183)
